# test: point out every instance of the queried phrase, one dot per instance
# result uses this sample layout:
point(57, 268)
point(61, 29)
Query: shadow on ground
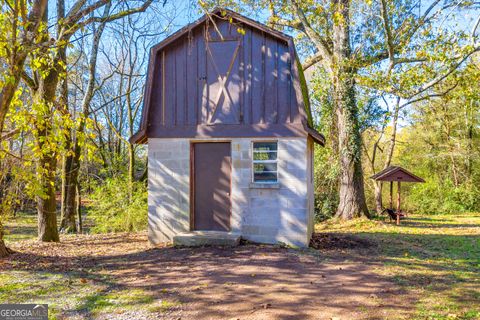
point(246, 282)
point(342, 278)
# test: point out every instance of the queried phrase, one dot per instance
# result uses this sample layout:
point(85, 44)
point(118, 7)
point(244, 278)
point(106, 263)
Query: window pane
point(265, 155)
point(265, 177)
point(265, 146)
point(265, 162)
point(261, 167)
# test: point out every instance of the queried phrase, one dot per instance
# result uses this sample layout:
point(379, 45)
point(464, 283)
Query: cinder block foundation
point(281, 212)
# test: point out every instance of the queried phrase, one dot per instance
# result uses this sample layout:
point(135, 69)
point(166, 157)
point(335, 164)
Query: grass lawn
point(426, 268)
point(434, 258)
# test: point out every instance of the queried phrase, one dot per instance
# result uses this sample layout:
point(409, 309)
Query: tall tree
point(20, 23)
point(117, 86)
point(370, 44)
point(72, 161)
point(127, 61)
point(48, 67)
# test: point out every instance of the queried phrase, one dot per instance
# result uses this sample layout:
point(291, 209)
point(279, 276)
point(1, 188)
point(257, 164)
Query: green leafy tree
point(79, 16)
point(46, 117)
point(445, 139)
point(20, 25)
point(397, 47)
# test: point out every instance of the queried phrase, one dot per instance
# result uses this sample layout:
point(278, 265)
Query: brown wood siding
point(284, 85)
point(169, 91)
point(185, 82)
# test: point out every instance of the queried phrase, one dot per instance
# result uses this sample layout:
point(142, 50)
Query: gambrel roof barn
point(227, 119)
point(225, 75)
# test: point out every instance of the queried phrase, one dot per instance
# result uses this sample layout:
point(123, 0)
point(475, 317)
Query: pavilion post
point(398, 203)
point(391, 195)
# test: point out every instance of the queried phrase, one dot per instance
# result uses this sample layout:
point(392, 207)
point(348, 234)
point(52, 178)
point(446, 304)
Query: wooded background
point(391, 82)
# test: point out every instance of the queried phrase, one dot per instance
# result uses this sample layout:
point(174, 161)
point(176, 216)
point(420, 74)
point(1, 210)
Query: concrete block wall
point(277, 213)
point(310, 187)
point(168, 188)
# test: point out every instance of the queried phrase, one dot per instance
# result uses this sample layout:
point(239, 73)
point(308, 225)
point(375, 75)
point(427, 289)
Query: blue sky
point(186, 11)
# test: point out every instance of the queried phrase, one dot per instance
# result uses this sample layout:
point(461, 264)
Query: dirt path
point(246, 282)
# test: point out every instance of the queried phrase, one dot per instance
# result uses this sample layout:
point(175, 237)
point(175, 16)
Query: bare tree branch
point(10, 134)
point(29, 81)
point(318, 40)
point(441, 77)
point(428, 96)
point(72, 21)
point(312, 61)
point(388, 34)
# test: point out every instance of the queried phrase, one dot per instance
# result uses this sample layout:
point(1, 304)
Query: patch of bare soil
point(245, 282)
point(339, 241)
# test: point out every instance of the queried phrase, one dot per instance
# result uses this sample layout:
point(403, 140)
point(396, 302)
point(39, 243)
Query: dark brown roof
point(316, 136)
point(219, 11)
point(268, 98)
point(396, 173)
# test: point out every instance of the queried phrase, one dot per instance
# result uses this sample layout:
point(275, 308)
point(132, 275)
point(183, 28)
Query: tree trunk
point(64, 188)
point(378, 197)
point(72, 183)
point(46, 204)
point(68, 213)
point(131, 169)
point(46, 167)
point(79, 210)
point(144, 175)
point(68, 220)
point(45, 95)
point(18, 58)
point(68, 223)
point(7, 94)
point(352, 202)
point(352, 195)
point(4, 251)
point(131, 163)
point(47, 162)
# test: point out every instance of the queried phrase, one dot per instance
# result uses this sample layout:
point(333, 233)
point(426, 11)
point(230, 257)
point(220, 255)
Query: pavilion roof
point(396, 173)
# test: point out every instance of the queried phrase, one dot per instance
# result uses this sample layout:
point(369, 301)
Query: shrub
point(442, 197)
point(112, 209)
point(326, 184)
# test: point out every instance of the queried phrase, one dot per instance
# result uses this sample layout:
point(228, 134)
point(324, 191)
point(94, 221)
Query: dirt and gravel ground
point(425, 269)
point(246, 282)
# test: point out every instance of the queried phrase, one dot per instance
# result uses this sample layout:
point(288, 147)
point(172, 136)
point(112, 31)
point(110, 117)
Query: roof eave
point(314, 134)
point(140, 137)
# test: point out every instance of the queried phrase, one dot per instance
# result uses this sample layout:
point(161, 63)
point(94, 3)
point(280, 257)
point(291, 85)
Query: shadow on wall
point(273, 215)
point(168, 189)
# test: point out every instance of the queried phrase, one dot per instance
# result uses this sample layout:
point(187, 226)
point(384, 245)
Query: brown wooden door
point(211, 186)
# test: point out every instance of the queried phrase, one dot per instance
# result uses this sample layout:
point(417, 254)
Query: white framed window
point(265, 166)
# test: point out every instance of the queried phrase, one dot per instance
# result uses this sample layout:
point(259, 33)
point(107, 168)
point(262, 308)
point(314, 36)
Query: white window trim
point(264, 161)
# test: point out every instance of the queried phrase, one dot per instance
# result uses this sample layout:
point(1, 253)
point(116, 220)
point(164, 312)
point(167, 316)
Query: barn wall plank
point(184, 83)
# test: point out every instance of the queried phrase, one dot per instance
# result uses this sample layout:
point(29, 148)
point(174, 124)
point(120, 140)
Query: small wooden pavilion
point(398, 174)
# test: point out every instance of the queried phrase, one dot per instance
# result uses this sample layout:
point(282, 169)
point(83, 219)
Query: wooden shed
point(227, 119)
